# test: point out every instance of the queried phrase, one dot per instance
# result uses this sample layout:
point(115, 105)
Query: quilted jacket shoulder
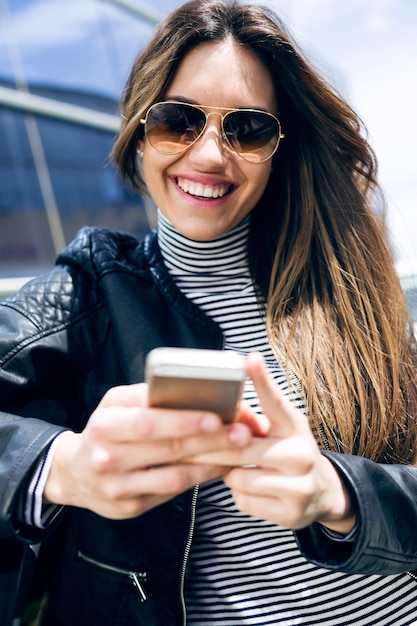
point(98, 250)
point(71, 289)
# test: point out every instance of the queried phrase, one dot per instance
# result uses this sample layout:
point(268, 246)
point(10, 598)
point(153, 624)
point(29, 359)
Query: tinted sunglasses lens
point(172, 127)
point(252, 134)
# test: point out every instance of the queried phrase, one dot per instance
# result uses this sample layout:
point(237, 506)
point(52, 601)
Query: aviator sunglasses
point(171, 127)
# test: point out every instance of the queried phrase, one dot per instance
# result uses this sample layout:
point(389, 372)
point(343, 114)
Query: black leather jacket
point(65, 339)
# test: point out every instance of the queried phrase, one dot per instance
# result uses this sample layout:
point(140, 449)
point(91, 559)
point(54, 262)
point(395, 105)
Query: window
point(59, 86)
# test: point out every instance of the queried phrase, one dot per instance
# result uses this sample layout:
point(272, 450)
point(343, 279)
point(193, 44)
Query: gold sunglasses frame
point(223, 117)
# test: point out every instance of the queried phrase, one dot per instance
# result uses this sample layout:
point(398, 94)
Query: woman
point(266, 244)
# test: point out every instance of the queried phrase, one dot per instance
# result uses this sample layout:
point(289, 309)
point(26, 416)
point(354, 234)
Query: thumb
point(126, 395)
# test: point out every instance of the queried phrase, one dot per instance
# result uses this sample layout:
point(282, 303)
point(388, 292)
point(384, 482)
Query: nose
point(210, 149)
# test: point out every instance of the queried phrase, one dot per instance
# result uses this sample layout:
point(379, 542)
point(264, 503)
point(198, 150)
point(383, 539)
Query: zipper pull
point(137, 583)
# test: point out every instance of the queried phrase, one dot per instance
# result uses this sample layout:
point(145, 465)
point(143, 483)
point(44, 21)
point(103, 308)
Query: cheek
point(155, 166)
point(151, 172)
point(260, 180)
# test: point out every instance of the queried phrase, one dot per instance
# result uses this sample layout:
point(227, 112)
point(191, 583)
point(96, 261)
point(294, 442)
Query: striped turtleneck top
point(243, 570)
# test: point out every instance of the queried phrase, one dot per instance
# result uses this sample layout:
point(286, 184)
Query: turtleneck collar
point(226, 254)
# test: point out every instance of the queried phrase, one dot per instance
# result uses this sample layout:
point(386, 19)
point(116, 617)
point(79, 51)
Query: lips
point(201, 190)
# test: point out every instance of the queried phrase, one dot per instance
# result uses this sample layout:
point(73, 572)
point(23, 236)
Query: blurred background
point(63, 64)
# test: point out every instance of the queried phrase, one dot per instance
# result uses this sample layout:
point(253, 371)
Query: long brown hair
point(335, 311)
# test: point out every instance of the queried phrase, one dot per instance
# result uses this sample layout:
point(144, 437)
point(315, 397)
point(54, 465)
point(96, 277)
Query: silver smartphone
point(190, 378)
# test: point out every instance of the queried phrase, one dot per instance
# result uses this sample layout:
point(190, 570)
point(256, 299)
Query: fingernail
point(209, 424)
point(238, 434)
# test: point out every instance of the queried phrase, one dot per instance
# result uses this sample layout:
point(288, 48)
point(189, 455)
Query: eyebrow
point(180, 99)
point(188, 101)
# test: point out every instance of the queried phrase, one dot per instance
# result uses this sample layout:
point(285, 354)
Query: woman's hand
point(293, 484)
point(129, 457)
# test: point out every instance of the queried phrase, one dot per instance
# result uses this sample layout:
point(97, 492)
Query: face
point(208, 189)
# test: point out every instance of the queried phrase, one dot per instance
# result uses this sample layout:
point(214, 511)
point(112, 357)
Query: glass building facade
point(63, 64)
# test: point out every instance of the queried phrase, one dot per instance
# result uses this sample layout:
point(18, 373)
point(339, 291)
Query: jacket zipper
point(187, 549)
point(136, 577)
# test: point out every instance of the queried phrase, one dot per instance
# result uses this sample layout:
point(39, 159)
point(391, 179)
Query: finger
point(287, 501)
point(139, 492)
point(166, 481)
point(292, 456)
point(126, 395)
point(276, 510)
point(285, 419)
point(250, 456)
point(261, 482)
point(128, 456)
point(135, 423)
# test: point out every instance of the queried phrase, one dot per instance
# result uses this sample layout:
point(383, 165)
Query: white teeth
point(202, 191)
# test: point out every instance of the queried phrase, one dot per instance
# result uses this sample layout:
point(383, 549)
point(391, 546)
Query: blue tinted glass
point(82, 44)
point(76, 52)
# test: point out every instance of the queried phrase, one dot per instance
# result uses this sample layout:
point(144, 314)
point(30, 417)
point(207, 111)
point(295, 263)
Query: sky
point(368, 48)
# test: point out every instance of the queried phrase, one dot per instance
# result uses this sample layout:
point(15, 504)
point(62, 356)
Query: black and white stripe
point(36, 511)
point(242, 570)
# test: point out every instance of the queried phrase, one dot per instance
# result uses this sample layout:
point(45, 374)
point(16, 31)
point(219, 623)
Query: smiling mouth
point(199, 190)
